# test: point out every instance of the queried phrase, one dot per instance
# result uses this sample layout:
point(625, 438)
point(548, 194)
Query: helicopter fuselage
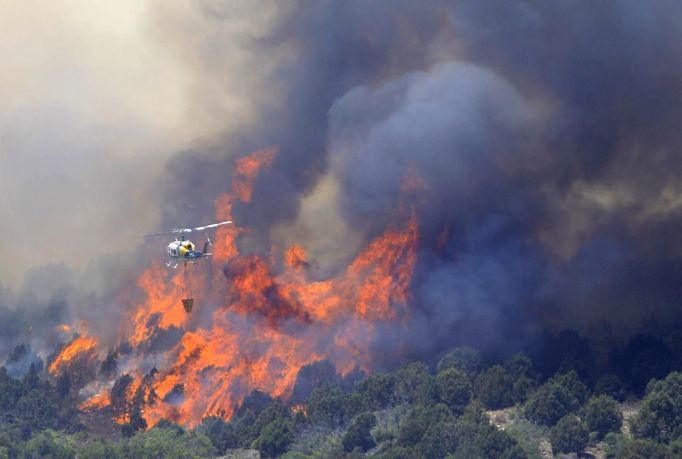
point(184, 251)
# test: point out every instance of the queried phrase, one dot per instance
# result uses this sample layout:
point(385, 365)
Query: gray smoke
point(545, 136)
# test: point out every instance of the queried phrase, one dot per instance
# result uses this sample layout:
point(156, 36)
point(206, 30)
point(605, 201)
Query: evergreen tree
point(454, 389)
point(570, 435)
point(358, 433)
point(495, 388)
point(274, 438)
point(602, 415)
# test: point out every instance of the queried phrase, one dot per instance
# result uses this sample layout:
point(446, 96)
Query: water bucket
point(187, 303)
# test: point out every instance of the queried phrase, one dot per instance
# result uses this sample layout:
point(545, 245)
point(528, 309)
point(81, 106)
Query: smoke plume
point(488, 170)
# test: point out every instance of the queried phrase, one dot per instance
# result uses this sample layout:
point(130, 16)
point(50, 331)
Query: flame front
point(81, 347)
point(266, 321)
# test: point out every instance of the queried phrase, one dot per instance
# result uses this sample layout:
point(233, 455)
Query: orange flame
point(96, 402)
point(247, 169)
point(64, 328)
point(274, 324)
point(80, 347)
point(295, 256)
point(265, 323)
point(300, 408)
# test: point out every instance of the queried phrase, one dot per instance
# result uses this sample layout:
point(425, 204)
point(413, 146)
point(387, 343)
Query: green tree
point(400, 452)
point(253, 403)
point(521, 369)
point(439, 439)
point(168, 443)
point(612, 386)
point(48, 445)
point(644, 358)
point(519, 365)
point(312, 376)
point(358, 433)
point(275, 438)
point(570, 435)
point(418, 420)
point(244, 430)
point(415, 385)
point(463, 358)
point(602, 415)
point(548, 404)
point(454, 389)
point(643, 449)
point(495, 388)
point(675, 448)
point(273, 411)
point(10, 391)
point(100, 449)
point(326, 406)
point(574, 386)
point(660, 417)
point(377, 391)
point(474, 436)
point(221, 433)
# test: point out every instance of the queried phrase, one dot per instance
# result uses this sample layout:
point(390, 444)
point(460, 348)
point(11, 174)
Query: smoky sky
point(545, 136)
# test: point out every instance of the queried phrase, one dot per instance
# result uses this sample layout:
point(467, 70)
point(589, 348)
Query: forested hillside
point(560, 396)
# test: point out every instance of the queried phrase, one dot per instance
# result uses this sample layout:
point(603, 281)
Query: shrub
point(612, 386)
point(640, 449)
point(326, 406)
point(463, 358)
point(549, 404)
point(495, 388)
point(660, 417)
point(275, 438)
point(358, 433)
point(454, 389)
point(602, 415)
point(570, 435)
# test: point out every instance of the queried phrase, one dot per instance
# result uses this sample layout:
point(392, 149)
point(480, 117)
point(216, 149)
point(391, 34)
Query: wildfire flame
point(265, 322)
point(247, 169)
point(79, 348)
point(300, 409)
point(97, 401)
point(64, 328)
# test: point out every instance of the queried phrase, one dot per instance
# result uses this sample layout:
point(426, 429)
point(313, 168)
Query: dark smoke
point(546, 136)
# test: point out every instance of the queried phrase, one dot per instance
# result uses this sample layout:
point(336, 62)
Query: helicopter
point(184, 251)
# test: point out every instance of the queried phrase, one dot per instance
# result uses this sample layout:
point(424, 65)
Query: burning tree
point(261, 321)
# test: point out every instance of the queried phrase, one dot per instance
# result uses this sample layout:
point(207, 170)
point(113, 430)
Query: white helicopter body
point(184, 250)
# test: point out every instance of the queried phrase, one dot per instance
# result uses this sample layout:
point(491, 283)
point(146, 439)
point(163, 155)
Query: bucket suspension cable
point(188, 301)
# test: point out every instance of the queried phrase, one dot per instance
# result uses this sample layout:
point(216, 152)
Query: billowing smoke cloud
point(551, 161)
point(542, 137)
point(546, 144)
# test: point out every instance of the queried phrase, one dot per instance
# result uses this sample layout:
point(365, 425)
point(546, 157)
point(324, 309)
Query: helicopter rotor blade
point(159, 233)
point(212, 225)
point(189, 230)
point(173, 231)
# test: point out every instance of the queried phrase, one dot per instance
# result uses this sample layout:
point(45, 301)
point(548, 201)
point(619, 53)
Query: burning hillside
point(259, 320)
